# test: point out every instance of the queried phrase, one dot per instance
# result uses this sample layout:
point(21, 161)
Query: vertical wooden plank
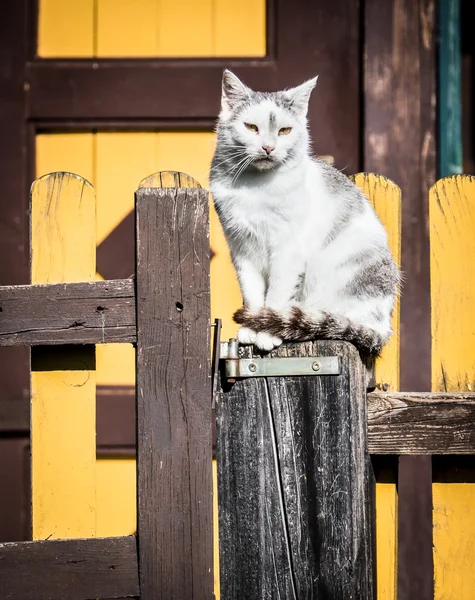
point(239, 28)
point(386, 540)
point(126, 28)
point(400, 128)
point(184, 28)
point(63, 378)
point(452, 220)
point(454, 518)
point(450, 88)
point(66, 28)
point(296, 489)
point(385, 197)
point(330, 29)
point(173, 395)
point(14, 502)
point(217, 587)
point(15, 176)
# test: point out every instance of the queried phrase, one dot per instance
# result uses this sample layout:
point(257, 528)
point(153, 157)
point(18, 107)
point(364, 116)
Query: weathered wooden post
point(174, 449)
point(295, 484)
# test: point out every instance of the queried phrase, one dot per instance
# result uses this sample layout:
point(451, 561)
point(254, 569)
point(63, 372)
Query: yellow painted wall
point(151, 28)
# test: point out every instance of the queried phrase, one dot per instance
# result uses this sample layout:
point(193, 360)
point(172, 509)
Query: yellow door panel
point(115, 497)
point(152, 28)
point(71, 152)
point(66, 28)
point(126, 28)
point(185, 28)
point(122, 160)
point(239, 28)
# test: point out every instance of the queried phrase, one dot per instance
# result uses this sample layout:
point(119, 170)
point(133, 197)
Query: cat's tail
point(296, 326)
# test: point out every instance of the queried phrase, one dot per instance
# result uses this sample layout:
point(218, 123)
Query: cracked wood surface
point(295, 483)
point(174, 445)
point(73, 313)
point(421, 423)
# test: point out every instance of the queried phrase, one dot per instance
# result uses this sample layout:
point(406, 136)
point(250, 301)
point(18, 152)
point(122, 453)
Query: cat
point(311, 256)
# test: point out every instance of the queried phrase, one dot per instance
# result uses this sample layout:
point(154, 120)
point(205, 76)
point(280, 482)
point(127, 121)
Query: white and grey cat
point(312, 257)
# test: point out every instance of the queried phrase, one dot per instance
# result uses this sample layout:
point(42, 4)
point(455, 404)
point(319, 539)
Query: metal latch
point(237, 367)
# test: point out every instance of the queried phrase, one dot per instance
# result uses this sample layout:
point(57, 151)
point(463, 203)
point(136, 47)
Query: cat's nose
point(268, 149)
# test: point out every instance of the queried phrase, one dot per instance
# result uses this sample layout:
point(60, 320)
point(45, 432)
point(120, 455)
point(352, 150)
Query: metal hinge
point(238, 367)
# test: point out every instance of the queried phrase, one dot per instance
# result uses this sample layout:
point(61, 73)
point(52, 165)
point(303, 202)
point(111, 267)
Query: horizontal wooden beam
point(135, 89)
point(81, 569)
point(72, 313)
point(422, 423)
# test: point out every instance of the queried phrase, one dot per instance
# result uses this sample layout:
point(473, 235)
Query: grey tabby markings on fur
point(376, 278)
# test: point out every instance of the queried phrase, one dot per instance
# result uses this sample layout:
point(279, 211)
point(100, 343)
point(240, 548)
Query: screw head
point(316, 366)
point(252, 367)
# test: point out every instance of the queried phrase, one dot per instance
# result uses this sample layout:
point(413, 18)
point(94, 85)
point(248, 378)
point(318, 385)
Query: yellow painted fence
point(68, 481)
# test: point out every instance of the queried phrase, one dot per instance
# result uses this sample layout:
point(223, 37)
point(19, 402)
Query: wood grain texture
point(427, 423)
point(452, 221)
point(400, 143)
point(63, 408)
point(169, 179)
point(295, 484)
point(15, 175)
point(174, 443)
point(74, 313)
point(385, 197)
point(82, 569)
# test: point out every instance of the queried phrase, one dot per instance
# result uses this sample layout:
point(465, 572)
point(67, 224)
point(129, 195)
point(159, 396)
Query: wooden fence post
point(63, 379)
point(295, 484)
point(174, 446)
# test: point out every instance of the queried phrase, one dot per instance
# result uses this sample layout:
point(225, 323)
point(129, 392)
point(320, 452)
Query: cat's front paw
point(245, 335)
point(266, 341)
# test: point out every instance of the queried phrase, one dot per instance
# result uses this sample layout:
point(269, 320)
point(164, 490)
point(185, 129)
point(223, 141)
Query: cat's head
point(266, 128)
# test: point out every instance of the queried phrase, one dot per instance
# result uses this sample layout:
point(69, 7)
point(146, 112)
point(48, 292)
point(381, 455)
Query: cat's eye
point(252, 127)
point(285, 130)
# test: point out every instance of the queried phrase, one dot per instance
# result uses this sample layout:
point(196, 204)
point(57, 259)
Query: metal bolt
point(316, 366)
point(252, 367)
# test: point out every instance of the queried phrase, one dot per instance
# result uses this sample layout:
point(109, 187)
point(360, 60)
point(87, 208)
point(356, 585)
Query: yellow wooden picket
point(63, 389)
point(452, 243)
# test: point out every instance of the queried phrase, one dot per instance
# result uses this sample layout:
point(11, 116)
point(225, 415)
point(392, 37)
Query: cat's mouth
point(264, 162)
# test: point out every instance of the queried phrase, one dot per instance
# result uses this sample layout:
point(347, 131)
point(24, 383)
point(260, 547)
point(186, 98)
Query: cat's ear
point(233, 92)
point(299, 96)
